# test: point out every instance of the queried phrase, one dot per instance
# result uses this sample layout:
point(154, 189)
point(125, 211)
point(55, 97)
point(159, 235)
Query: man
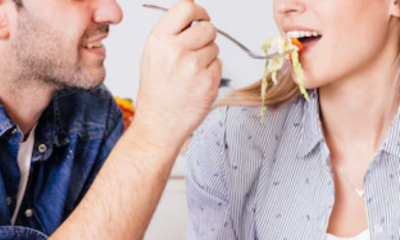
point(63, 173)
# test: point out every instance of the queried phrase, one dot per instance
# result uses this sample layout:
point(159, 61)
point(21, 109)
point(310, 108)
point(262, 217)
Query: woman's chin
point(309, 82)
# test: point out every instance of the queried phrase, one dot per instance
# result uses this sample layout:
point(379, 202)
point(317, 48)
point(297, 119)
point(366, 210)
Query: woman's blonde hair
point(277, 95)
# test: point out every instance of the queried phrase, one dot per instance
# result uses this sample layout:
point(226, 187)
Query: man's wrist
point(143, 136)
point(158, 132)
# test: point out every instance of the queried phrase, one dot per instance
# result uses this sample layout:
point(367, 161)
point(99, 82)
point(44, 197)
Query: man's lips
point(95, 42)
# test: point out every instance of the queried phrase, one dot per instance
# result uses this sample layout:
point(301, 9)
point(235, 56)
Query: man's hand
point(180, 74)
point(179, 82)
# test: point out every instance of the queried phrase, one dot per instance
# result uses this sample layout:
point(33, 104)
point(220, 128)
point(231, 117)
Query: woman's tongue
point(309, 41)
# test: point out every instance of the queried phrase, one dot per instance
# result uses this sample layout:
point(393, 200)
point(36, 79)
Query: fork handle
point(164, 10)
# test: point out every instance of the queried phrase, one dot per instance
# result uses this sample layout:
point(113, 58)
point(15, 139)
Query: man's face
point(59, 42)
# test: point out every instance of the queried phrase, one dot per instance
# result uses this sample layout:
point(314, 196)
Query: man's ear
point(4, 24)
point(395, 8)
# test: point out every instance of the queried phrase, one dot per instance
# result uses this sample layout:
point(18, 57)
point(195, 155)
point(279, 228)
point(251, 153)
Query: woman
point(327, 168)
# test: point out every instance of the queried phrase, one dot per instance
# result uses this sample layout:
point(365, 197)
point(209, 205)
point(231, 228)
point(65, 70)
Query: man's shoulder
point(87, 110)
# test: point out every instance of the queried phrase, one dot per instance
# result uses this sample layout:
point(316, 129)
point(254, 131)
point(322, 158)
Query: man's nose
point(108, 12)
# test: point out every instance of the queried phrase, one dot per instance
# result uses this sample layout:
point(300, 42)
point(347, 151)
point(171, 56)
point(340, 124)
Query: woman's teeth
point(94, 45)
point(302, 34)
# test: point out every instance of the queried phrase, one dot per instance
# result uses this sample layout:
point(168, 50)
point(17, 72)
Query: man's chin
point(81, 80)
point(92, 79)
point(88, 85)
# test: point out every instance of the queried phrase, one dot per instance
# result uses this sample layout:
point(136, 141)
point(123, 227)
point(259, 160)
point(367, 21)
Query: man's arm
point(179, 82)
point(122, 199)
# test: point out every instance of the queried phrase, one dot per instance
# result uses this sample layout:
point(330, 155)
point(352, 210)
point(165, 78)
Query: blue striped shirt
point(248, 180)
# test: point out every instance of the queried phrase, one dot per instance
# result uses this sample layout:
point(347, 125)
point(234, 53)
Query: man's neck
point(25, 103)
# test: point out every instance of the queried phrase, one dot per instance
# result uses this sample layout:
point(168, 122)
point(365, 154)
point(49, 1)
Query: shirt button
point(14, 131)
point(42, 148)
point(29, 213)
point(9, 201)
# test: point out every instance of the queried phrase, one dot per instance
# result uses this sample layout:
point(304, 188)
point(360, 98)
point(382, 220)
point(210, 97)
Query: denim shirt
point(73, 138)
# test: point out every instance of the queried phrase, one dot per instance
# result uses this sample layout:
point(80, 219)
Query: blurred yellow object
point(128, 110)
point(126, 103)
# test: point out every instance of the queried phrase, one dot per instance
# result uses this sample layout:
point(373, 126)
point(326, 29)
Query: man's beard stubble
point(40, 53)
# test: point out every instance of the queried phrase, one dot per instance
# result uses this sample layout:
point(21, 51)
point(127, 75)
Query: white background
point(249, 21)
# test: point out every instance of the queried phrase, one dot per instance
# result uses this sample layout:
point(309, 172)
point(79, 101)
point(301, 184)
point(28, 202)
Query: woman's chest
point(285, 196)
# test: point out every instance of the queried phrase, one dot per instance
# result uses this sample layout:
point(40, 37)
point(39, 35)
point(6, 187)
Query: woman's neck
point(356, 112)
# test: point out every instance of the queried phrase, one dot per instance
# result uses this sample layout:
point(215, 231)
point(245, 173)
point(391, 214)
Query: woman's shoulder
point(243, 119)
point(241, 128)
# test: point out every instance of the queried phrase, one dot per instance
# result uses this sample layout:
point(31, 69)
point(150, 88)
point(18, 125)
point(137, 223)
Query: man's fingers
point(214, 72)
point(215, 69)
point(198, 36)
point(201, 59)
point(180, 16)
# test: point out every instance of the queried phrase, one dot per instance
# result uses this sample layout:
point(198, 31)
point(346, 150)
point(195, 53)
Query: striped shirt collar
point(312, 133)
point(392, 142)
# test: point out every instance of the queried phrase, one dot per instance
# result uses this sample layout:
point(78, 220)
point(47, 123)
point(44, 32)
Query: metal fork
point(239, 44)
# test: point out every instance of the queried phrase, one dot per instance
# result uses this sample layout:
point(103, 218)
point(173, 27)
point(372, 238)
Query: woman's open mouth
point(307, 38)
